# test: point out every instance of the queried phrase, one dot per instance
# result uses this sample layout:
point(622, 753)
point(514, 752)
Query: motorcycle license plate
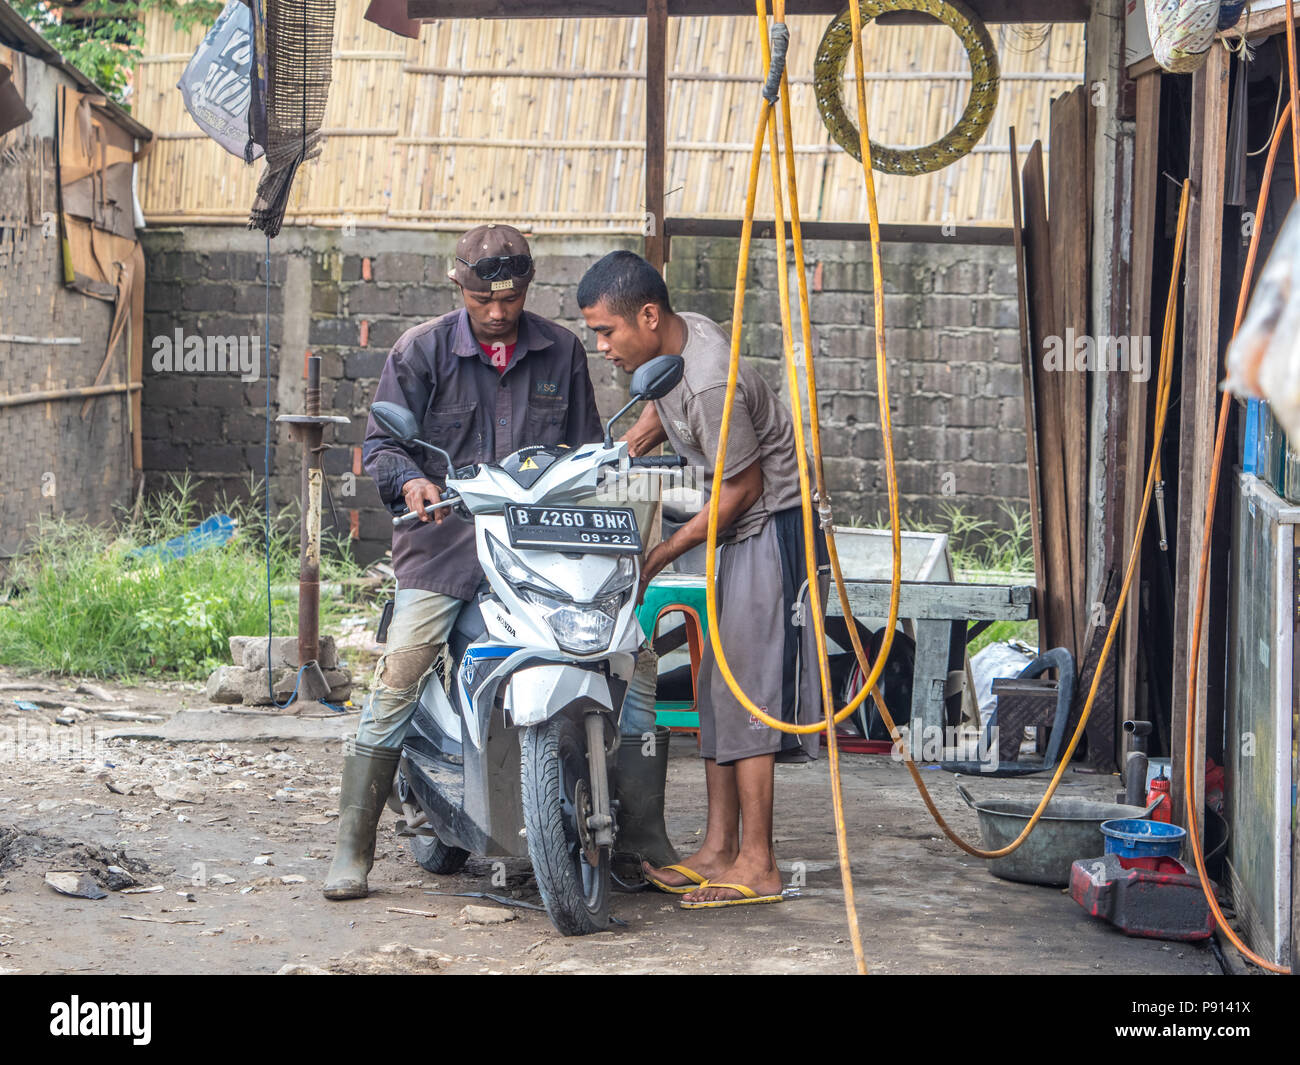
point(601, 529)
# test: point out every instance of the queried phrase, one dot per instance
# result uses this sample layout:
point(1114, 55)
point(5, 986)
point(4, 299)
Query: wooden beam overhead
point(890, 233)
point(988, 10)
point(656, 137)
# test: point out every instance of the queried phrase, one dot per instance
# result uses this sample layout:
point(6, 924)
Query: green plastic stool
point(670, 593)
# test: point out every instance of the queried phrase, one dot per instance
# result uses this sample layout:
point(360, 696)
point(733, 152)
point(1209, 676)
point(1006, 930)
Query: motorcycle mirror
point(652, 380)
point(396, 421)
point(400, 424)
point(656, 378)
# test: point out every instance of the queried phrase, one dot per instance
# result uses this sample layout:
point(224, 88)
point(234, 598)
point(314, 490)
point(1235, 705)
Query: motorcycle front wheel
point(557, 793)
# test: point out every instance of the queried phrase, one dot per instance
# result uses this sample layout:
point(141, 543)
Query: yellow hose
point(1193, 657)
point(872, 671)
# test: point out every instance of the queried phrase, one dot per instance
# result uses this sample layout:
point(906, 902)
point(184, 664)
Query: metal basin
point(1069, 829)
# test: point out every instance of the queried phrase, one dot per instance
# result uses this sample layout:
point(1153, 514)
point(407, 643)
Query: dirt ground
point(237, 868)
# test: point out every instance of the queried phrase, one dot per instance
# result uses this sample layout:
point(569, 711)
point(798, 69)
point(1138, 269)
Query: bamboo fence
point(541, 123)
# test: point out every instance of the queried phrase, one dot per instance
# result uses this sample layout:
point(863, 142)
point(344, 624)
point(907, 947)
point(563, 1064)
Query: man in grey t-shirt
point(761, 577)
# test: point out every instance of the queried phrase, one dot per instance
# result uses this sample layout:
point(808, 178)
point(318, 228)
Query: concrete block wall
point(952, 352)
point(347, 296)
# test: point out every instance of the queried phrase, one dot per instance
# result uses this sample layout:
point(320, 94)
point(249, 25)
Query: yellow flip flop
point(679, 889)
point(750, 897)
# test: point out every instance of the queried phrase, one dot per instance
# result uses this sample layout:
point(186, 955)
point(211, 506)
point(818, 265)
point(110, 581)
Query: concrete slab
point(312, 721)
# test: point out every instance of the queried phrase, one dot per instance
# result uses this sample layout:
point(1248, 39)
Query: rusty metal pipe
point(308, 429)
point(309, 548)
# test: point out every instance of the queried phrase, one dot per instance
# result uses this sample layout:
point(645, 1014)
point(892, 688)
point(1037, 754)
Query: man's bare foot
point(761, 876)
point(706, 862)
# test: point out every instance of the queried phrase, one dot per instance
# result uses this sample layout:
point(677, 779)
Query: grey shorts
point(762, 607)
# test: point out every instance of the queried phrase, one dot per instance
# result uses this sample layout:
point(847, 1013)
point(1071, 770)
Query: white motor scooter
point(516, 760)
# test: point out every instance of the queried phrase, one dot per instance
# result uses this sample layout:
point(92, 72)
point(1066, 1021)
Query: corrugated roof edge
point(17, 33)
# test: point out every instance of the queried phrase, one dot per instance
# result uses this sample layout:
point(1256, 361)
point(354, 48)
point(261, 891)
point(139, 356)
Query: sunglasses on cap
point(494, 266)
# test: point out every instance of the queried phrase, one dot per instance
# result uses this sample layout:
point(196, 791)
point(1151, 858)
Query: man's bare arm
point(737, 494)
point(646, 433)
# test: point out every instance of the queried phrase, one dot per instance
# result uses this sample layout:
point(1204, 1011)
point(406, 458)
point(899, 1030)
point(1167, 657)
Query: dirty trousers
point(421, 623)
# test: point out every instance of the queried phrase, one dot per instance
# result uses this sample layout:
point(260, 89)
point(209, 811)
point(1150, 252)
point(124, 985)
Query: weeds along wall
point(951, 335)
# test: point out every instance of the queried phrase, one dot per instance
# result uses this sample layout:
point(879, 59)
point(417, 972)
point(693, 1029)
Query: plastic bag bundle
point(1181, 32)
point(216, 86)
point(1264, 357)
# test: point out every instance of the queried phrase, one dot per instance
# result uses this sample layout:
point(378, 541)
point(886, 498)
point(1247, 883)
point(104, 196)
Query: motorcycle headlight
point(581, 629)
point(514, 571)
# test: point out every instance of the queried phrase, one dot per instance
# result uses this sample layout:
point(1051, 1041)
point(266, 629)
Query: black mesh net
point(296, 64)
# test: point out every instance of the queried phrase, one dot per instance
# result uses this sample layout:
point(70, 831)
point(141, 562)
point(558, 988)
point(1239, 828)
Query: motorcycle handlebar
point(411, 515)
point(659, 462)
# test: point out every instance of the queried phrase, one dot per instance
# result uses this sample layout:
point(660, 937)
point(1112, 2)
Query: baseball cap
point(485, 242)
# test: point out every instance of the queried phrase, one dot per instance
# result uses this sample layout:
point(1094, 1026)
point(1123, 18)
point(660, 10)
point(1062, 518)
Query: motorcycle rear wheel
point(430, 852)
point(556, 779)
point(436, 857)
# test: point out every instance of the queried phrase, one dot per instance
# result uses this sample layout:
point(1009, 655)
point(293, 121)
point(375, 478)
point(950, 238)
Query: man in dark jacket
point(483, 382)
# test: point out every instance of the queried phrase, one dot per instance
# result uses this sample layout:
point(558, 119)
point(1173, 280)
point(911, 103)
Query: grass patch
point(80, 603)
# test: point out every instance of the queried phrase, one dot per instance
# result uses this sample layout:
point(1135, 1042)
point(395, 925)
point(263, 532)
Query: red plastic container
point(1160, 790)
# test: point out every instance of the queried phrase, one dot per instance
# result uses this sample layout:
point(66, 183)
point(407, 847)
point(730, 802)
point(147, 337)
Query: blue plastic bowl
point(1130, 838)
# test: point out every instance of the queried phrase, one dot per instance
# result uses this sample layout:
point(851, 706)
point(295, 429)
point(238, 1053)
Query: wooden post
point(1146, 176)
point(1056, 621)
point(656, 121)
point(1198, 403)
point(1027, 382)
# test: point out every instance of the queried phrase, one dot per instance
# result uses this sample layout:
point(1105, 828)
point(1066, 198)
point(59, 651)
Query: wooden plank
point(940, 601)
point(135, 359)
point(1111, 137)
point(930, 677)
point(1027, 381)
point(1199, 393)
point(1070, 236)
point(656, 147)
point(988, 10)
point(1056, 621)
point(984, 235)
point(1146, 176)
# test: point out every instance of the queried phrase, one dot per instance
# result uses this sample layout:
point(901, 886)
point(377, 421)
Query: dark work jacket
point(468, 408)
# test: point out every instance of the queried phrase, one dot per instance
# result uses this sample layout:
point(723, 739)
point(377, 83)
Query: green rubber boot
point(641, 780)
point(367, 780)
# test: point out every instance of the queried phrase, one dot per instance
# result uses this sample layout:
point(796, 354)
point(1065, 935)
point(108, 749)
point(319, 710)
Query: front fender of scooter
point(538, 693)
